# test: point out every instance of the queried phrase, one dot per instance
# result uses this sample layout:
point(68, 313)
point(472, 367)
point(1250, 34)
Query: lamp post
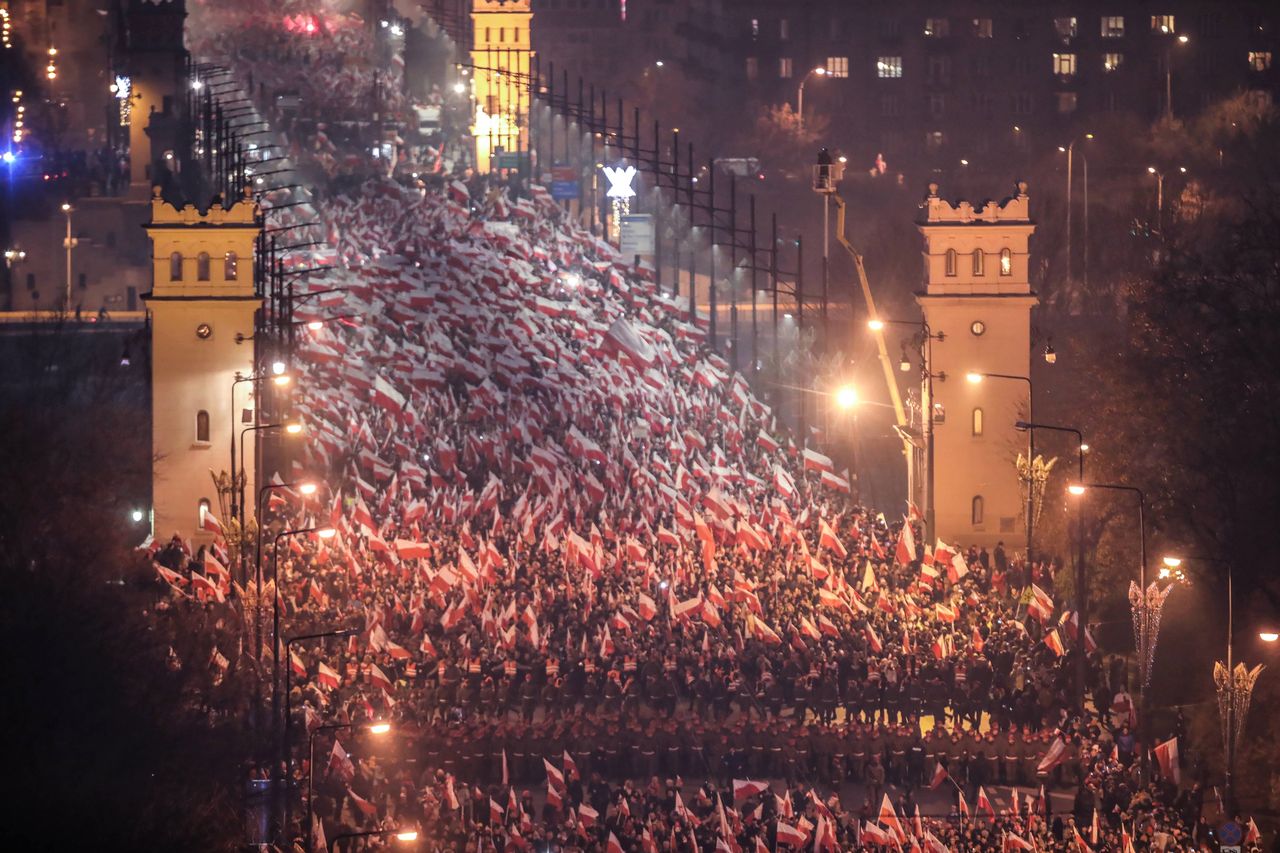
point(288, 715)
point(927, 337)
point(821, 72)
point(1141, 607)
point(1168, 75)
point(69, 242)
point(304, 487)
point(323, 533)
point(1152, 170)
point(1069, 150)
point(1082, 592)
point(281, 379)
point(375, 729)
point(975, 378)
point(405, 836)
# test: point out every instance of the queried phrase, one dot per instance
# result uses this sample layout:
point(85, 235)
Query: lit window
point(784, 67)
point(230, 266)
point(202, 266)
point(977, 421)
point(1259, 60)
point(202, 427)
point(935, 139)
point(175, 266)
point(951, 261)
point(837, 66)
point(1067, 102)
point(1006, 262)
point(1064, 64)
point(753, 67)
point(889, 67)
point(982, 28)
point(979, 262)
point(1065, 27)
point(784, 29)
point(937, 27)
point(755, 27)
point(1113, 26)
point(976, 511)
point(1162, 23)
point(1112, 61)
point(202, 509)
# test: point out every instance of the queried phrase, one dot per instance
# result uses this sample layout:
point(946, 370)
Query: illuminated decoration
point(620, 192)
point(6, 29)
point(19, 120)
point(1146, 610)
point(1033, 475)
point(622, 9)
point(124, 94)
point(51, 70)
point(500, 60)
point(1235, 692)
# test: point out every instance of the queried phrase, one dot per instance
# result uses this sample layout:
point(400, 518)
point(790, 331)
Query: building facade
point(202, 302)
point(977, 301)
point(501, 60)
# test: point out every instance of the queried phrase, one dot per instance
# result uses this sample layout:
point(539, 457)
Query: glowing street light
point(1268, 636)
point(307, 488)
point(875, 325)
point(974, 378)
point(847, 397)
point(1076, 489)
point(379, 728)
point(293, 428)
point(821, 72)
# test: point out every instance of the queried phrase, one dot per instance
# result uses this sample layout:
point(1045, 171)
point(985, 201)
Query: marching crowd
point(581, 563)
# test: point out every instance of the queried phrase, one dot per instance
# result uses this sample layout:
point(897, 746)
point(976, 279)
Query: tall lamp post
point(1146, 604)
point(1069, 150)
point(976, 378)
point(1168, 75)
point(280, 378)
point(1234, 682)
point(927, 337)
point(69, 243)
point(821, 72)
point(323, 533)
point(1152, 170)
point(1082, 591)
point(374, 729)
point(288, 714)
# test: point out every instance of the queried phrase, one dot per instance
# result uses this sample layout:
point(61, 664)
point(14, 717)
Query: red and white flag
point(745, 789)
point(1167, 756)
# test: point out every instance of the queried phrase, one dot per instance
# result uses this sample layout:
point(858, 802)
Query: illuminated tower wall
point(501, 56)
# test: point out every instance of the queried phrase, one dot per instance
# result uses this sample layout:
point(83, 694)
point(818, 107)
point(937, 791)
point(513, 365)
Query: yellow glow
point(315, 325)
point(293, 429)
point(1268, 636)
point(1076, 489)
point(326, 533)
point(410, 835)
point(1084, 448)
point(307, 488)
point(283, 379)
point(278, 367)
point(1172, 562)
point(1164, 573)
point(974, 378)
point(66, 208)
point(380, 729)
point(847, 397)
point(875, 325)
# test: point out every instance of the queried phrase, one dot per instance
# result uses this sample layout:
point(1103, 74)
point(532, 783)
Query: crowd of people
point(595, 587)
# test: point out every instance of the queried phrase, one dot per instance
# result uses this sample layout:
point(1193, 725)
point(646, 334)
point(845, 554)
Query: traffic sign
point(1230, 834)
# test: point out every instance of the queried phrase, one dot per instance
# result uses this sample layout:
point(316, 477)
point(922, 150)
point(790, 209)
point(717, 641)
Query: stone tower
point(500, 52)
point(978, 295)
point(202, 297)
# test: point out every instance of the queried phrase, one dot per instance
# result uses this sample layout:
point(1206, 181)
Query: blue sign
point(564, 190)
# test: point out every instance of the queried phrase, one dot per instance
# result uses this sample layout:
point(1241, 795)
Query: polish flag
point(614, 846)
point(379, 678)
point(984, 804)
point(1167, 756)
point(496, 812)
point(832, 481)
point(1056, 755)
point(939, 774)
point(296, 664)
point(1041, 605)
point(1053, 641)
point(872, 834)
point(570, 766)
point(889, 817)
point(815, 461)
point(326, 677)
point(872, 640)
point(791, 836)
point(1080, 844)
point(362, 804)
point(827, 627)
point(386, 396)
point(397, 652)
point(587, 815)
point(648, 607)
point(944, 613)
point(905, 551)
point(1014, 842)
point(827, 539)
point(745, 789)
point(555, 779)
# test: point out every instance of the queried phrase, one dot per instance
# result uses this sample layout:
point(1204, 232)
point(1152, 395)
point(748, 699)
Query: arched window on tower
point(1006, 262)
point(951, 261)
point(175, 266)
point(976, 511)
point(977, 421)
point(979, 262)
point(202, 266)
point(202, 427)
point(230, 266)
point(202, 509)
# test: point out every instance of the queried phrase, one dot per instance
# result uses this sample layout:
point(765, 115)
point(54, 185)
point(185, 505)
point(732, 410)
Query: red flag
point(1167, 756)
point(362, 804)
point(889, 818)
point(614, 846)
point(791, 836)
point(745, 789)
point(905, 551)
point(939, 774)
point(496, 812)
point(984, 804)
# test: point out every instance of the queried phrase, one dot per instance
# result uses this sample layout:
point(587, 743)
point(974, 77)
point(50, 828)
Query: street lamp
point(293, 428)
point(975, 378)
point(1268, 636)
point(280, 380)
point(1152, 170)
point(323, 533)
point(1145, 604)
point(1168, 74)
point(1082, 591)
point(403, 836)
point(847, 397)
point(374, 729)
point(69, 242)
point(303, 487)
point(821, 72)
point(1069, 150)
point(288, 716)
